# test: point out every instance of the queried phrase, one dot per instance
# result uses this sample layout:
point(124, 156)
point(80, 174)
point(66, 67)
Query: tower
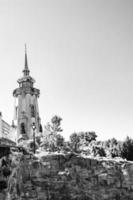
point(26, 110)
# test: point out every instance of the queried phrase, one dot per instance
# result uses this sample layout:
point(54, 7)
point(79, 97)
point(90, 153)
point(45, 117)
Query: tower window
point(23, 128)
point(40, 128)
point(32, 111)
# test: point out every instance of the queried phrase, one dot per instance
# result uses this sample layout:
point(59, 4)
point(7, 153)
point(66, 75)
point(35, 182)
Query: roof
point(6, 142)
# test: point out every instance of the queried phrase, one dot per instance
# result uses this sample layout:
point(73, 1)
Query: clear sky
point(81, 54)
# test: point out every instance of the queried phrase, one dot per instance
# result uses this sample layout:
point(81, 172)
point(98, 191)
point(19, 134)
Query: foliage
point(81, 139)
point(89, 136)
point(55, 124)
point(83, 142)
point(66, 147)
point(52, 140)
point(74, 142)
point(112, 148)
point(96, 149)
point(127, 149)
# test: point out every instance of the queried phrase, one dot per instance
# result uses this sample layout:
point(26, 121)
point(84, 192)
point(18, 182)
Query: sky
point(80, 52)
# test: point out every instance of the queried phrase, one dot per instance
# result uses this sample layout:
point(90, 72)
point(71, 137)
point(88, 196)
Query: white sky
point(80, 53)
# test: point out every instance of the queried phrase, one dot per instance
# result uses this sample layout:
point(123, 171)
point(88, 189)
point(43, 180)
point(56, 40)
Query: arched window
point(40, 128)
point(32, 111)
point(23, 128)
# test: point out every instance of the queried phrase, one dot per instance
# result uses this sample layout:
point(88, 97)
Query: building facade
point(4, 128)
point(26, 111)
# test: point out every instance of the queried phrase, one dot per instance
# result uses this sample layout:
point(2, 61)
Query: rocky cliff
point(61, 177)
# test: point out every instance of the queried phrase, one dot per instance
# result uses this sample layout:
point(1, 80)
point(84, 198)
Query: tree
point(55, 124)
point(112, 148)
point(59, 140)
point(96, 149)
point(81, 139)
point(74, 142)
point(127, 149)
point(90, 136)
point(52, 140)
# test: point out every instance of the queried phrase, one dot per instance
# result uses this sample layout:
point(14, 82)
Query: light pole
point(34, 142)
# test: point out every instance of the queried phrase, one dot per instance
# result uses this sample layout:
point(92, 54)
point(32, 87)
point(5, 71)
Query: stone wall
point(68, 177)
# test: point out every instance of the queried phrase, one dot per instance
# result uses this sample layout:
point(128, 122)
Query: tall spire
point(26, 70)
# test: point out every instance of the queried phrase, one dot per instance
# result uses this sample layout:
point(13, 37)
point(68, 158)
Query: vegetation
point(52, 139)
point(127, 149)
point(79, 141)
point(83, 142)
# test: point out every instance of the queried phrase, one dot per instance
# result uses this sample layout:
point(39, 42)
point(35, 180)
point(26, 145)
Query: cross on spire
point(26, 69)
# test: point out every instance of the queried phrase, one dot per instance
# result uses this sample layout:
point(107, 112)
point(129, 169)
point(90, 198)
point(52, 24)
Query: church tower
point(26, 112)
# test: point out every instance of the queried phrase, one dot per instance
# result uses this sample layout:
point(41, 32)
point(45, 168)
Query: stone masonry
point(67, 177)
